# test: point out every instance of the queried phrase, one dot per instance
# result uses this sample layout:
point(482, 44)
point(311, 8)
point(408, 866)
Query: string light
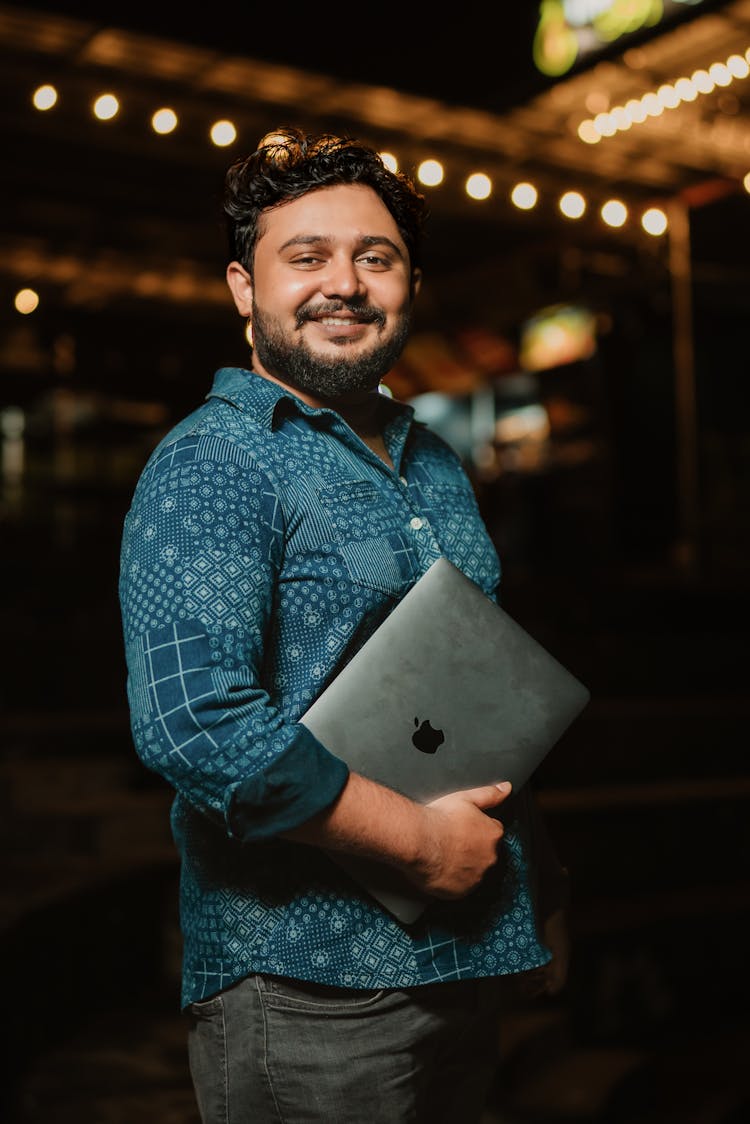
point(26, 301)
point(164, 121)
point(524, 196)
point(44, 97)
point(222, 133)
point(430, 173)
point(614, 212)
point(720, 74)
point(668, 96)
point(654, 221)
point(106, 107)
point(572, 205)
point(738, 66)
point(478, 185)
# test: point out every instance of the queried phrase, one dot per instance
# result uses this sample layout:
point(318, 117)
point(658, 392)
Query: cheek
point(394, 300)
point(280, 294)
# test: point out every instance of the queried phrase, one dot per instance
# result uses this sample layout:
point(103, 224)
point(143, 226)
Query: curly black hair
point(289, 162)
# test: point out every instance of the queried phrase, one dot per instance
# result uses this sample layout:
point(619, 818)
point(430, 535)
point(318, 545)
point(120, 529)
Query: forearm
point(444, 848)
point(370, 820)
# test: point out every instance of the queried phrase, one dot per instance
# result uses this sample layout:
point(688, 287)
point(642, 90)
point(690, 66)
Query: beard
point(292, 360)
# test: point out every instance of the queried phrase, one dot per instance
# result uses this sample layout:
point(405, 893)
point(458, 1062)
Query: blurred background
point(581, 339)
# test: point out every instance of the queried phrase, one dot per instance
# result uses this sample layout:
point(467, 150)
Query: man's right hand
point(461, 842)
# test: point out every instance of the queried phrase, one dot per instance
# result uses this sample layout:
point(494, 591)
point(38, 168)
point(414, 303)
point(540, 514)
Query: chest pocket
point(367, 530)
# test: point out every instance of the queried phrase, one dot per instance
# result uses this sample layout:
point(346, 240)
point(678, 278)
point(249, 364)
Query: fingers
point(488, 795)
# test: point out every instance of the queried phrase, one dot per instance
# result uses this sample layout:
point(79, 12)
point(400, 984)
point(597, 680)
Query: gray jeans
point(278, 1051)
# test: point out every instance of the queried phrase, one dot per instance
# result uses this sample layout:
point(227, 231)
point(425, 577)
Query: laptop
point(450, 692)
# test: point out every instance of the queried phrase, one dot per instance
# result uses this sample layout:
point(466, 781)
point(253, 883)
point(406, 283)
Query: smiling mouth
point(342, 319)
point(341, 329)
point(338, 321)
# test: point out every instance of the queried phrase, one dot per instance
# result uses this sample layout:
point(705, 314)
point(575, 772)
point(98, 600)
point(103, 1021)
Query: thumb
point(487, 796)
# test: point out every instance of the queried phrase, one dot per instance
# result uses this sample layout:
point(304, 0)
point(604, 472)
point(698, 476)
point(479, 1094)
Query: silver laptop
point(450, 692)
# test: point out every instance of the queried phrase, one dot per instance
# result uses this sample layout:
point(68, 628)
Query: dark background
point(646, 795)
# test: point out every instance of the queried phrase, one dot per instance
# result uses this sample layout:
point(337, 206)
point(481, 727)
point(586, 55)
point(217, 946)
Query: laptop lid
point(449, 693)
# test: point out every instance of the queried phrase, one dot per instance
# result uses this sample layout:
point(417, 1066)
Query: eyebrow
point(366, 240)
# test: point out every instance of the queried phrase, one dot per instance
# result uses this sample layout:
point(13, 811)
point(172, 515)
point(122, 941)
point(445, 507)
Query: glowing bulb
point(654, 221)
point(572, 204)
point(702, 81)
point(668, 97)
point(737, 66)
point(479, 186)
point(588, 132)
point(164, 121)
point(604, 124)
point(26, 301)
point(621, 117)
point(390, 161)
point(524, 196)
point(746, 183)
point(44, 97)
point(106, 107)
point(720, 74)
point(652, 106)
point(685, 89)
point(614, 212)
point(430, 173)
point(223, 133)
point(635, 111)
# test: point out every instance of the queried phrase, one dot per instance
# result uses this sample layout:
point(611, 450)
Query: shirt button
point(416, 523)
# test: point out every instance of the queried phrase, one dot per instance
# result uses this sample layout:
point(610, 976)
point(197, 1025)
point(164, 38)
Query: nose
point(341, 278)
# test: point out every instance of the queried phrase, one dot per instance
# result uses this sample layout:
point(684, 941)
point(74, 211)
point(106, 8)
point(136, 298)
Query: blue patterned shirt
point(265, 542)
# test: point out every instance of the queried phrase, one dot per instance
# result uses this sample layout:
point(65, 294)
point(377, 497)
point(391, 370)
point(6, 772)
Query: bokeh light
point(164, 121)
point(223, 133)
point(654, 221)
point(479, 186)
point(430, 173)
point(106, 107)
point(614, 212)
point(26, 301)
point(524, 196)
point(572, 205)
point(44, 97)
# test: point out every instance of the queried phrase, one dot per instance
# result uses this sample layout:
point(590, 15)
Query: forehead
point(343, 212)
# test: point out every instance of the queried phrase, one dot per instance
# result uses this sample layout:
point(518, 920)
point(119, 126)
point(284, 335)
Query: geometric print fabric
point(265, 542)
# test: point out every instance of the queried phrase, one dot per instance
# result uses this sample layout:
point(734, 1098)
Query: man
point(270, 533)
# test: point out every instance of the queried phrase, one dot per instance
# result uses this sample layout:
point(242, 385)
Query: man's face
point(330, 294)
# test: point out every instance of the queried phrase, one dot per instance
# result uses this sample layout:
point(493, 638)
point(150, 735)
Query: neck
point(362, 413)
point(360, 410)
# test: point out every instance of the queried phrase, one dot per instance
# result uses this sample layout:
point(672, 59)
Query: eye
point(374, 261)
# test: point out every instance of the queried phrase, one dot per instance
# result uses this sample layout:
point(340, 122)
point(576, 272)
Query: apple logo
point(425, 738)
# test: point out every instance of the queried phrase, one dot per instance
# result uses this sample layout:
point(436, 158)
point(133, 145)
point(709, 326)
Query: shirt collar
point(249, 391)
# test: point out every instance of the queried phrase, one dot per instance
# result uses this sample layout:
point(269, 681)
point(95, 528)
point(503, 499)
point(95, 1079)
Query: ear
point(241, 285)
point(416, 282)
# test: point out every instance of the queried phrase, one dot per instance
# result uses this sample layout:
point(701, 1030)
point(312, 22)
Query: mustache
point(365, 313)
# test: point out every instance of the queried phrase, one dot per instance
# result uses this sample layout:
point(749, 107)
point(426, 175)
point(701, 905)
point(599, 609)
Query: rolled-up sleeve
point(201, 550)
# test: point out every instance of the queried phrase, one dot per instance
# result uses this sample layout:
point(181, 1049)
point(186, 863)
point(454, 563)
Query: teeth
point(336, 321)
